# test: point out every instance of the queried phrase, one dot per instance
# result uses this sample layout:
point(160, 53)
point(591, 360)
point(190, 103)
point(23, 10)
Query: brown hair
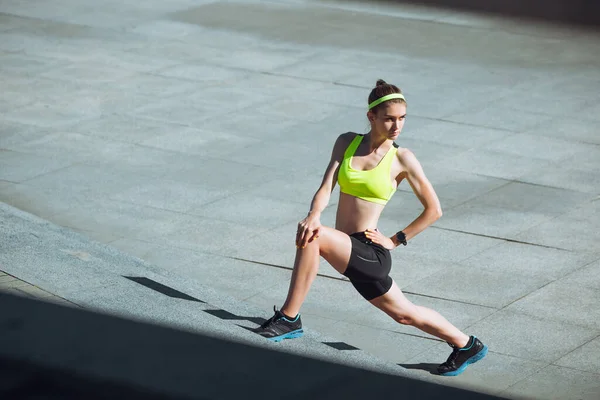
point(382, 88)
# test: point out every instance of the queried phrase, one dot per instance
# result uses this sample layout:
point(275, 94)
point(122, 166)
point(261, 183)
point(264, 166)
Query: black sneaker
point(460, 359)
point(278, 327)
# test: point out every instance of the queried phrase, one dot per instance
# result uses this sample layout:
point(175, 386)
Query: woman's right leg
point(334, 246)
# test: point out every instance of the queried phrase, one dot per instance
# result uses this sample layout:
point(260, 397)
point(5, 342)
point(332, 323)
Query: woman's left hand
point(377, 237)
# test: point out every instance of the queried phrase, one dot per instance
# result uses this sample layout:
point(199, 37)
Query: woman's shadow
point(429, 367)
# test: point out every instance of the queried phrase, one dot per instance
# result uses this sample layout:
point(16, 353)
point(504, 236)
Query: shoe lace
point(272, 319)
point(452, 356)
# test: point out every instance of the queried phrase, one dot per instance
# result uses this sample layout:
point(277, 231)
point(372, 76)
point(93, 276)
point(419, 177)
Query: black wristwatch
point(401, 237)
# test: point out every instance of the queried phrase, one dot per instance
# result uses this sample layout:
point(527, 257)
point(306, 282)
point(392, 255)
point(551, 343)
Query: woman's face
point(389, 120)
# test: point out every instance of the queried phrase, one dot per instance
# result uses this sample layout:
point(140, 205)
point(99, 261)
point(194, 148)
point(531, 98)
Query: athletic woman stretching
point(368, 169)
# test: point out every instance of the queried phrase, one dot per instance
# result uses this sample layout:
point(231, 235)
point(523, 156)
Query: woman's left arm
point(424, 192)
point(413, 172)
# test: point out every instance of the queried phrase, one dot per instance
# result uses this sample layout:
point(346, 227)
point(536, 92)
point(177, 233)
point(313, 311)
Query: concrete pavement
point(193, 134)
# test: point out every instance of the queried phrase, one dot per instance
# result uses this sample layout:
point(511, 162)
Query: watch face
point(401, 237)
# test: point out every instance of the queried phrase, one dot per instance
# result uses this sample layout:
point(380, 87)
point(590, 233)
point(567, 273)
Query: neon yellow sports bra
point(372, 185)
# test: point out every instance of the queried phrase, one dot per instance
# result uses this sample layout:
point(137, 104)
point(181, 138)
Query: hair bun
point(380, 82)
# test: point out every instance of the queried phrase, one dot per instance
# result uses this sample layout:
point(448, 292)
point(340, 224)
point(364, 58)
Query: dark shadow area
point(340, 345)
point(26, 380)
point(159, 287)
point(226, 315)
point(429, 367)
point(50, 351)
point(585, 13)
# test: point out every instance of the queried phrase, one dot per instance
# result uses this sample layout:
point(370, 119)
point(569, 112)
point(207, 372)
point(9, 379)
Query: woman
point(368, 169)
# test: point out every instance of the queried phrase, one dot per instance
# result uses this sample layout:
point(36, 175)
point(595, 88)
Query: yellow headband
point(386, 98)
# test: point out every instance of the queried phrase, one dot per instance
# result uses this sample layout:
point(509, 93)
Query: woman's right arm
point(308, 228)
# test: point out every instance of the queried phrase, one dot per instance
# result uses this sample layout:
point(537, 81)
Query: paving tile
point(466, 104)
point(492, 375)
point(586, 159)
point(481, 219)
point(528, 145)
point(44, 11)
point(591, 112)
point(480, 287)
point(570, 128)
point(527, 260)
point(519, 196)
point(327, 298)
point(391, 346)
point(446, 245)
point(583, 358)
point(579, 306)
point(203, 73)
point(494, 116)
point(6, 280)
point(74, 148)
point(295, 187)
point(86, 73)
point(151, 85)
point(411, 268)
point(261, 212)
point(588, 276)
point(9, 22)
point(27, 65)
point(102, 237)
point(238, 279)
point(275, 245)
point(12, 134)
point(189, 140)
point(19, 167)
point(325, 326)
point(166, 29)
point(171, 195)
point(554, 383)
point(532, 338)
point(173, 111)
point(582, 236)
point(204, 234)
point(494, 164)
point(529, 102)
point(44, 201)
point(565, 177)
point(50, 115)
point(129, 128)
point(454, 133)
point(455, 187)
point(91, 181)
point(130, 220)
point(35, 292)
point(13, 284)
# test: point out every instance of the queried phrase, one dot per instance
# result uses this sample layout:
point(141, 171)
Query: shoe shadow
point(431, 368)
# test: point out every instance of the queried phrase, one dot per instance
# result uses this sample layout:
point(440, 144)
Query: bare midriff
point(356, 215)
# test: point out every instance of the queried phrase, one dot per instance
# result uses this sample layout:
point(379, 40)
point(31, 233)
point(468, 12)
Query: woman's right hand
point(308, 230)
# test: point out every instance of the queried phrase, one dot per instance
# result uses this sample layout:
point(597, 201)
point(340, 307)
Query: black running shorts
point(369, 267)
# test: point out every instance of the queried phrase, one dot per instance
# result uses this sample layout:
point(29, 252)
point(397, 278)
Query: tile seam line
point(505, 239)
point(575, 369)
point(346, 280)
point(527, 376)
point(38, 287)
point(281, 267)
point(45, 173)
